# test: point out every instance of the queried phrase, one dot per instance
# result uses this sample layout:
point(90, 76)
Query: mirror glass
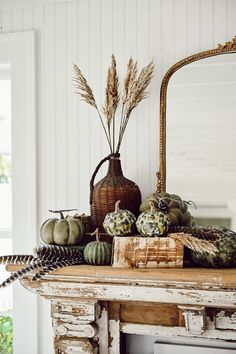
point(201, 133)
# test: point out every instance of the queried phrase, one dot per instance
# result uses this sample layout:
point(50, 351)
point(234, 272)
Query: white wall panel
point(87, 32)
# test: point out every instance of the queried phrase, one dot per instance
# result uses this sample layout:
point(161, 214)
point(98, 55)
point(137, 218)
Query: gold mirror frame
point(228, 47)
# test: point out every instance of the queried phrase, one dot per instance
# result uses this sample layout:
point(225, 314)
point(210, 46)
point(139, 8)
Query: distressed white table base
point(93, 306)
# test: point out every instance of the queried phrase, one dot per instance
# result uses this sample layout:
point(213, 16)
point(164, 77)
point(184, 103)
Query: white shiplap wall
point(87, 32)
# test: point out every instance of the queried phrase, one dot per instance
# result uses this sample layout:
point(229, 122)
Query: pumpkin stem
point(96, 232)
point(152, 207)
point(61, 212)
point(117, 206)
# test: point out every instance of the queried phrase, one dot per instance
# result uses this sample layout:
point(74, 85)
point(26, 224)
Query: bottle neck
point(114, 168)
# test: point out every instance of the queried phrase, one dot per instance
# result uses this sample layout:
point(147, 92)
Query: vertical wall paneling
point(143, 111)
point(71, 105)
point(129, 145)
point(16, 19)
point(219, 22)
point(50, 107)
point(27, 18)
point(106, 50)
point(94, 78)
point(193, 27)
point(6, 20)
point(69, 134)
point(61, 126)
point(83, 112)
point(206, 24)
point(156, 47)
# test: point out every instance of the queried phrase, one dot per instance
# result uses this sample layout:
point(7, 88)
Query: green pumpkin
point(63, 231)
point(98, 252)
point(226, 255)
point(120, 222)
point(153, 222)
point(176, 208)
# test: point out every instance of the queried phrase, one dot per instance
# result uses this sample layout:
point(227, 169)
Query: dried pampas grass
point(134, 91)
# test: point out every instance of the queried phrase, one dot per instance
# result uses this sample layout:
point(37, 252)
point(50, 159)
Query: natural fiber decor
point(114, 186)
point(195, 244)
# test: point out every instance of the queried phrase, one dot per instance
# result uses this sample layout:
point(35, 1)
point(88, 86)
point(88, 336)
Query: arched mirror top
point(228, 47)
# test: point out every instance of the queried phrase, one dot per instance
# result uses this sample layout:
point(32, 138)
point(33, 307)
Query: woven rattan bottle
point(114, 186)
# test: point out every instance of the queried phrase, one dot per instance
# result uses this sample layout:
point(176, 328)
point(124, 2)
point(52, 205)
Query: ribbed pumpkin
point(152, 222)
point(98, 252)
point(120, 222)
point(175, 208)
point(226, 255)
point(63, 231)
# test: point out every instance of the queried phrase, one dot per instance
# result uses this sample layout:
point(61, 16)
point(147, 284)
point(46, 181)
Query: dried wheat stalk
point(134, 91)
point(194, 243)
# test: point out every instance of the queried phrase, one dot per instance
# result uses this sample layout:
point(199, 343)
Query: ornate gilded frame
point(228, 47)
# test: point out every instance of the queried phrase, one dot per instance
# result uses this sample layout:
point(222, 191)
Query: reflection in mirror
point(201, 135)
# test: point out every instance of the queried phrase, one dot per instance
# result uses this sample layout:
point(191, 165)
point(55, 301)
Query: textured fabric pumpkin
point(120, 222)
point(63, 231)
point(172, 205)
point(98, 252)
point(226, 255)
point(152, 222)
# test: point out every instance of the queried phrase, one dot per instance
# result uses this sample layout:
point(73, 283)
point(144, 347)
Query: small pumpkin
point(120, 222)
point(63, 231)
point(98, 252)
point(153, 222)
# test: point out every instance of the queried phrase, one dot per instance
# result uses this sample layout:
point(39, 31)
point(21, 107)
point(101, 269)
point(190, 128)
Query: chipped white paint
point(102, 335)
point(195, 318)
point(78, 346)
point(135, 293)
point(224, 321)
point(72, 312)
point(114, 333)
point(153, 330)
point(72, 330)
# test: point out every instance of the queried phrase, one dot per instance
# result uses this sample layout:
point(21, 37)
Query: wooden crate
point(147, 252)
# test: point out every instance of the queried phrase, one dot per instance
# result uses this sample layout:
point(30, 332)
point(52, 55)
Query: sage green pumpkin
point(63, 231)
point(98, 252)
point(153, 222)
point(120, 222)
point(226, 255)
point(176, 208)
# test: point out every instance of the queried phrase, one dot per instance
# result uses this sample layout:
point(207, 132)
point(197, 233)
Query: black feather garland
point(47, 257)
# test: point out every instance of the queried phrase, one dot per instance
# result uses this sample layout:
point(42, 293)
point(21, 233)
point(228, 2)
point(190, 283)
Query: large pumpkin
point(153, 222)
point(98, 252)
point(63, 231)
point(226, 255)
point(120, 222)
point(172, 205)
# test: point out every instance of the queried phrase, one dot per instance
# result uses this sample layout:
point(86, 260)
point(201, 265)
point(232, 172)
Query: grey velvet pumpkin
point(226, 255)
point(153, 222)
point(63, 231)
point(120, 222)
point(98, 252)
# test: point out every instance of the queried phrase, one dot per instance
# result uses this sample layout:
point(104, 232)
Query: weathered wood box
point(147, 252)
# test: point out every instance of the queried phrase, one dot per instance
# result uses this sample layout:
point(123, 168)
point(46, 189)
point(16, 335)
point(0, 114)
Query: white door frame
point(18, 49)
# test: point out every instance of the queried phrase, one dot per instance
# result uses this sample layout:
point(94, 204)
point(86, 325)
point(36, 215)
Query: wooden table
point(92, 306)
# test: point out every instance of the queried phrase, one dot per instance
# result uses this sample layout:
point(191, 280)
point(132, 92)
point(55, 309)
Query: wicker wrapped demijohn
point(114, 186)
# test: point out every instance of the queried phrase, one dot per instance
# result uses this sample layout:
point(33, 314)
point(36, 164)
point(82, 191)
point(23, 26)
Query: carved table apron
point(92, 306)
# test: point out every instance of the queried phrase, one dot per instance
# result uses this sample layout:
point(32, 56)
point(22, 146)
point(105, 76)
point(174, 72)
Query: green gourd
point(176, 208)
point(98, 252)
point(153, 222)
point(226, 255)
point(63, 231)
point(120, 222)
